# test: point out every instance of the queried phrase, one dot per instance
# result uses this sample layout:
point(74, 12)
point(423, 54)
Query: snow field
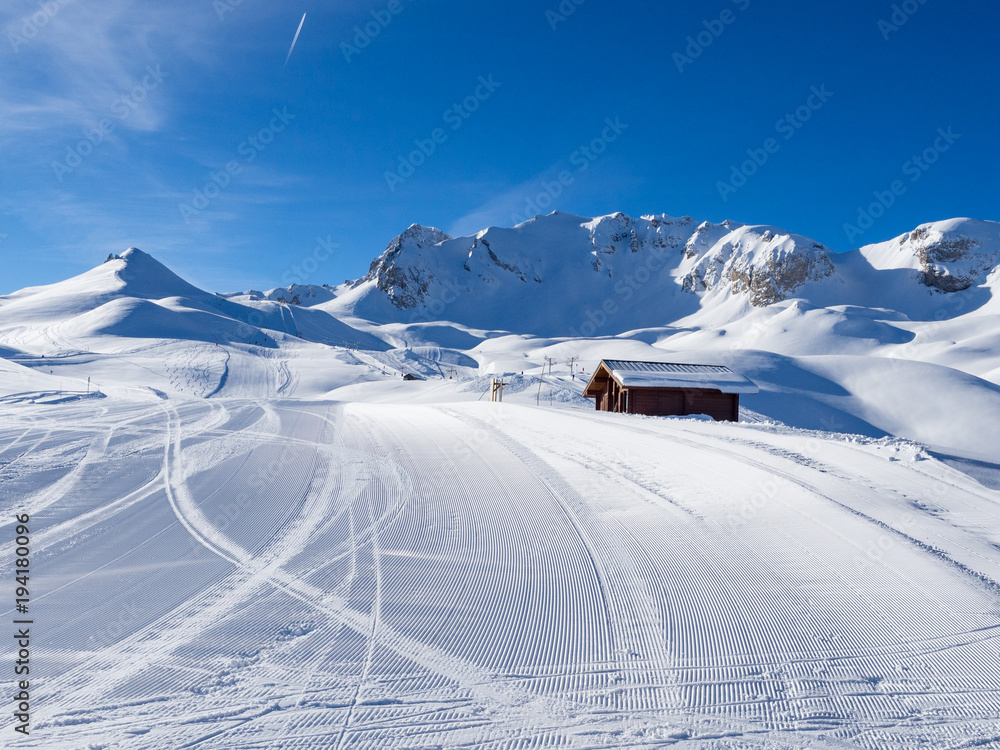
point(281, 573)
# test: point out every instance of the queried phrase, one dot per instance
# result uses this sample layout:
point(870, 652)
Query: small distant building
point(665, 389)
point(411, 376)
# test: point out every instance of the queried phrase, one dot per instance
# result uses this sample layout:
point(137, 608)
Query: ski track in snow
point(249, 572)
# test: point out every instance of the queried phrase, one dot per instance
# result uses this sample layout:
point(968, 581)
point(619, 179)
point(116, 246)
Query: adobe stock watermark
point(874, 554)
point(223, 7)
point(299, 272)
point(786, 127)
point(454, 117)
point(451, 465)
point(365, 33)
point(901, 14)
point(263, 476)
point(121, 108)
point(914, 168)
point(249, 150)
point(953, 306)
point(32, 23)
point(625, 288)
point(763, 494)
point(436, 307)
point(714, 28)
point(582, 159)
point(562, 12)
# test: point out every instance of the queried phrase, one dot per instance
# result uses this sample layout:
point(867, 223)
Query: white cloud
point(67, 72)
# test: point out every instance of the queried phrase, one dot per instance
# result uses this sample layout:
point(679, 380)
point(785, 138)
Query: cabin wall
point(723, 407)
point(667, 402)
point(656, 401)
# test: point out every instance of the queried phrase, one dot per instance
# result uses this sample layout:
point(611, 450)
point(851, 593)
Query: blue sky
point(588, 107)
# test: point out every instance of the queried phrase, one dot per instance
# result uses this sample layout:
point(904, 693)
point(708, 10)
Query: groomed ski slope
point(266, 573)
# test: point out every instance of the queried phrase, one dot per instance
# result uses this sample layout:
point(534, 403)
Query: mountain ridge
point(561, 275)
point(662, 267)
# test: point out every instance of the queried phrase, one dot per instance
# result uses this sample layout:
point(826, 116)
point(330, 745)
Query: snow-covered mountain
point(134, 296)
point(544, 275)
point(304, 295)
point(950, 256)
point(555, 274)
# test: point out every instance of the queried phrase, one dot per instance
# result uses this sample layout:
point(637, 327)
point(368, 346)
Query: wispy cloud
point(563, 186)
point(68, 72)
point(505, 209)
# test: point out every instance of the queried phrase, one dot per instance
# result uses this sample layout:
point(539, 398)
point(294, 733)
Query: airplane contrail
point(294, 41)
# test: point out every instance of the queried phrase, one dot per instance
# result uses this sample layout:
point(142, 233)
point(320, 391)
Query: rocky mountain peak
point(401, 278)
point(951, 259)
point(947, 256)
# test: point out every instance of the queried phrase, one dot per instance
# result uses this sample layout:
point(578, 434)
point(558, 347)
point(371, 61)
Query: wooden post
point(496, 390)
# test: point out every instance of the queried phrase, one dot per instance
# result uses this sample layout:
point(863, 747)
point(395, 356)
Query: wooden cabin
point(664, 389)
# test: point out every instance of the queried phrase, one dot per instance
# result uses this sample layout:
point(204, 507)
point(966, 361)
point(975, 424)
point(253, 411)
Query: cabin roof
point(635, 374)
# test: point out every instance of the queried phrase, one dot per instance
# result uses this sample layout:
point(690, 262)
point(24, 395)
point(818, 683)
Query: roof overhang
point(597, 381)
point(668, 375)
